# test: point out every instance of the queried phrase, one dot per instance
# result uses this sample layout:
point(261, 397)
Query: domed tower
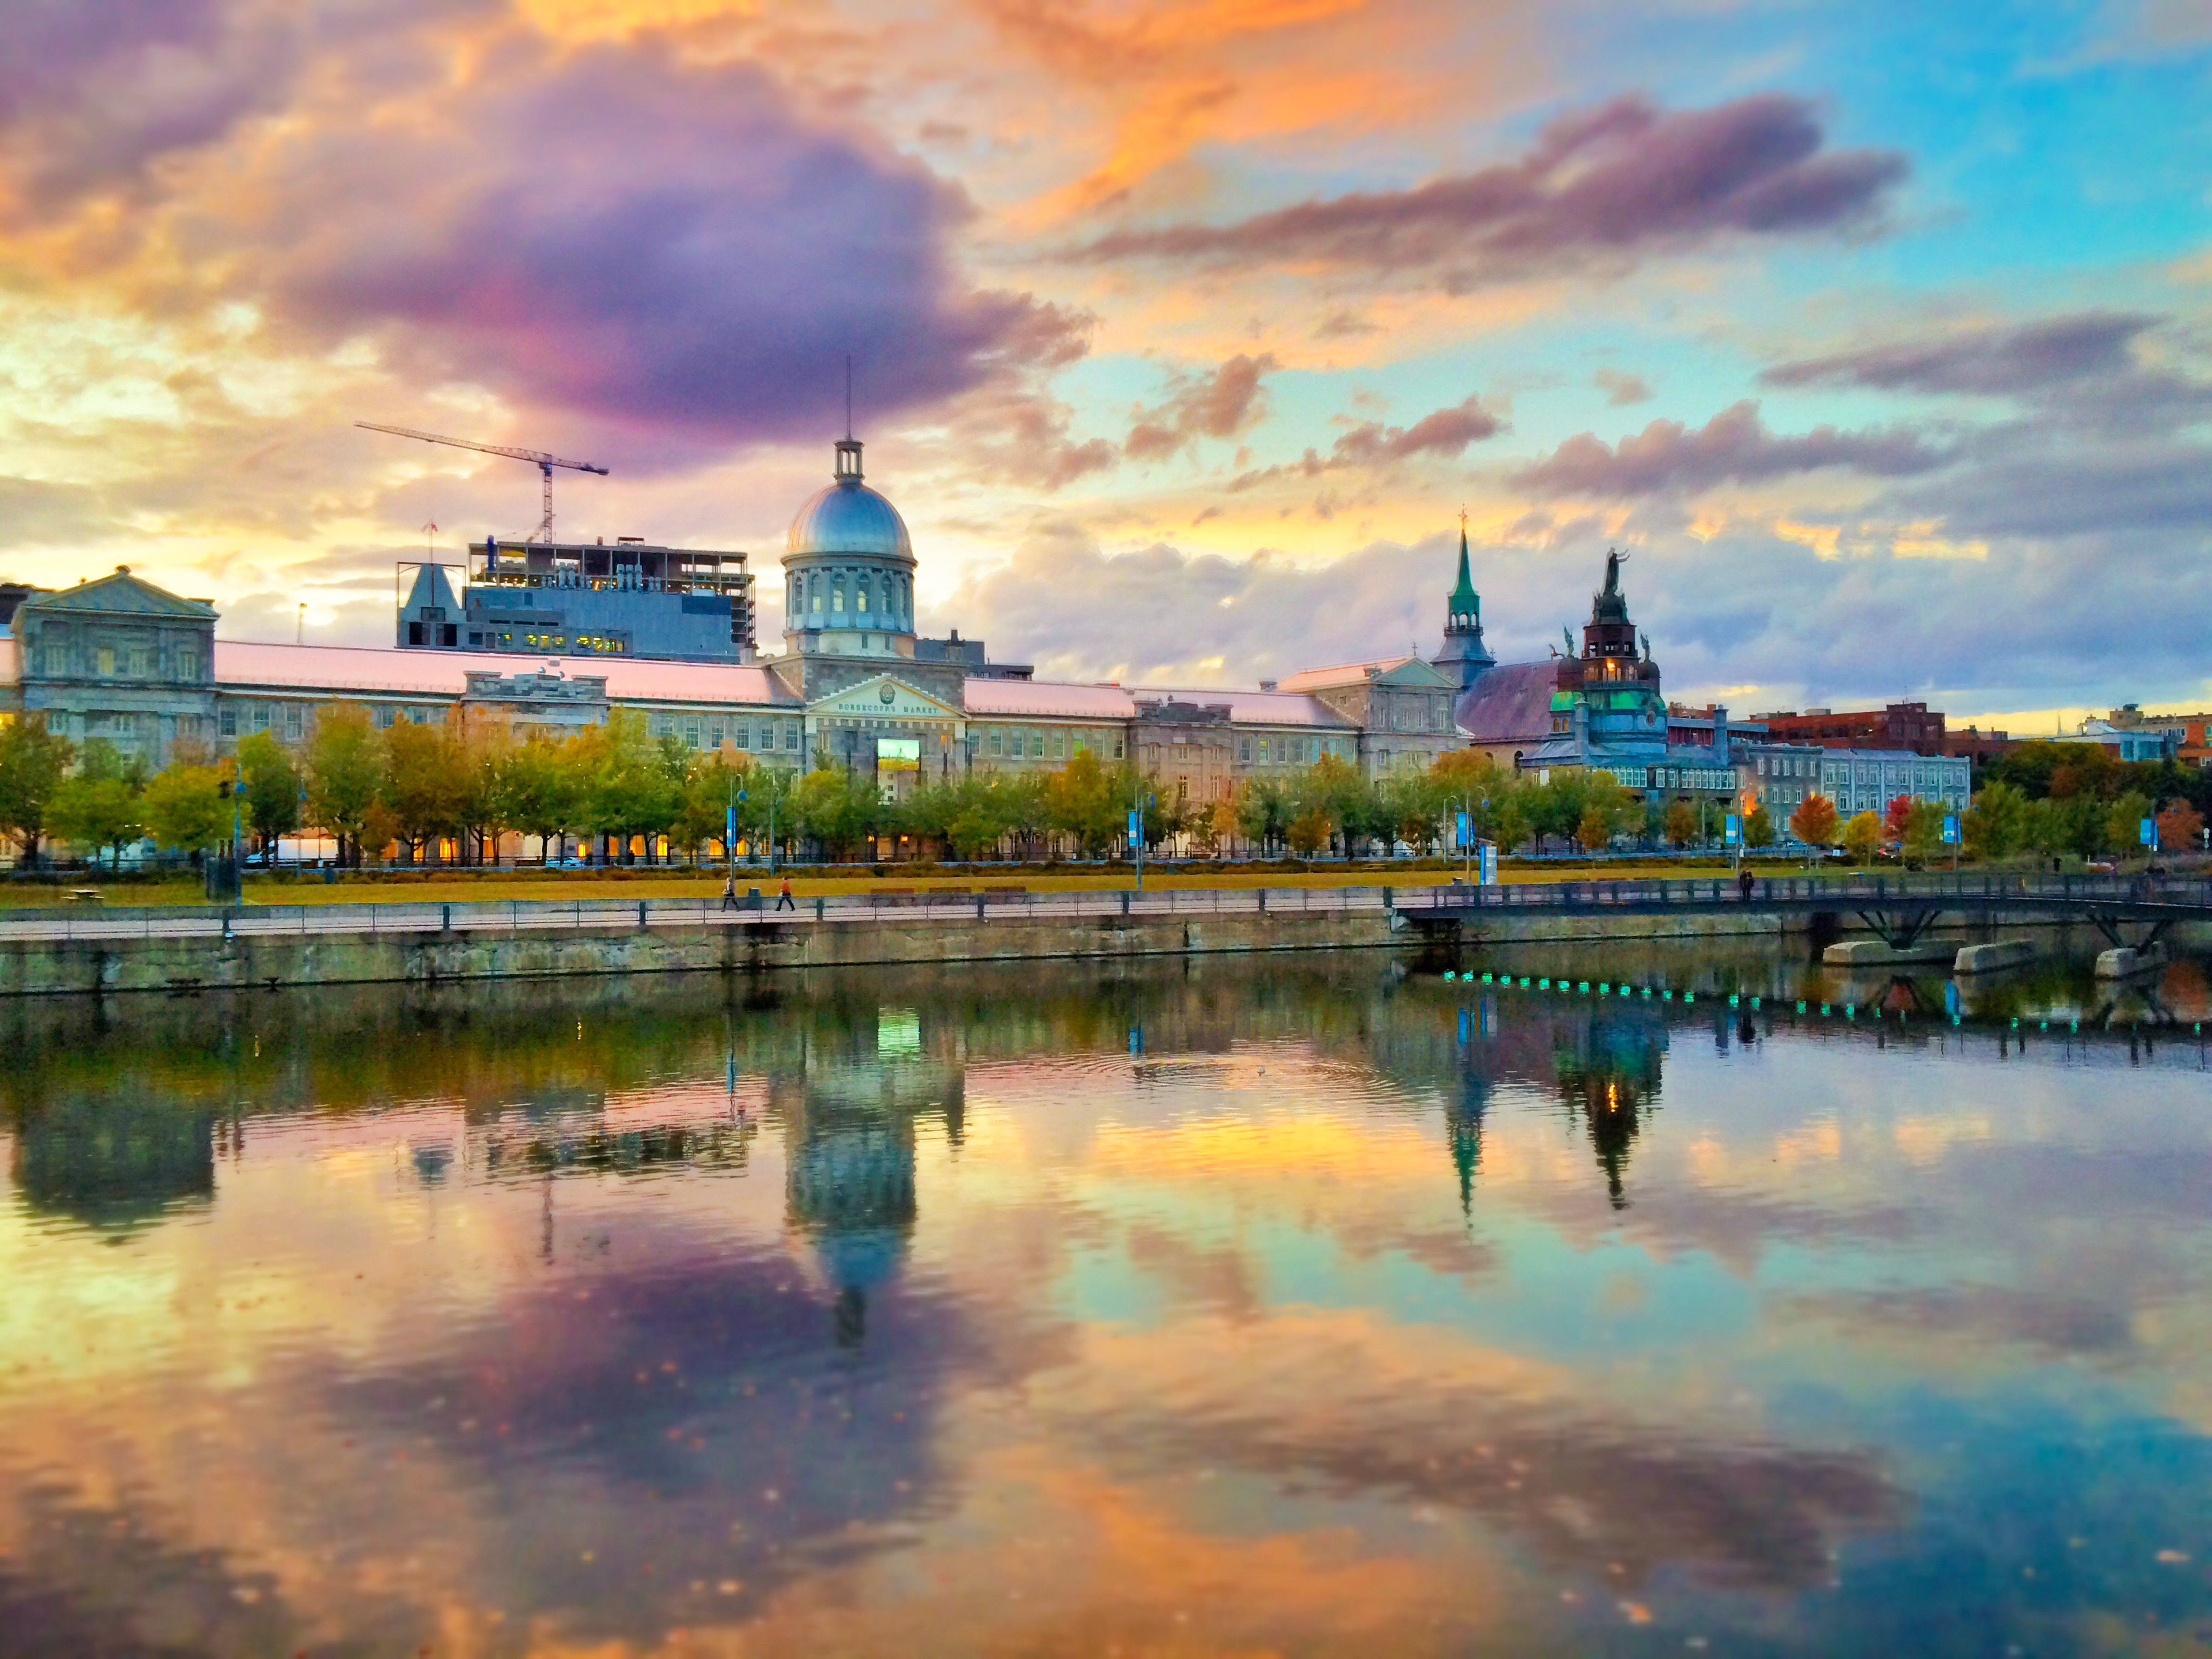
point(848, 571)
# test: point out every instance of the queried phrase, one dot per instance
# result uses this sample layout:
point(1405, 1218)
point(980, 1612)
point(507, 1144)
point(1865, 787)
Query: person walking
point(730, 893)
point(783, 900)
point(1743, 884)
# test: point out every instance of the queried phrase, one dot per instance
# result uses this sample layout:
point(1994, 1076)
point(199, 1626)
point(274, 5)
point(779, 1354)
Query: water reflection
point(1309, 1304)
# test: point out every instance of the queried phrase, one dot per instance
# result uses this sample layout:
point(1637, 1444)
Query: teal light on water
point(2043, 1025)
point(1603, 988)
point(1583, 987)
point(1689, 996)
point(1449, 974)
point(2015, 1022)
point(1754, 1002)
point(1850, 1011)
point(1955, 1019)
point(1800, 1005)
point(1541, 984)
point(2074, 1025)
point(1647, 990)
point(1734, 999)
point(1824, 1011)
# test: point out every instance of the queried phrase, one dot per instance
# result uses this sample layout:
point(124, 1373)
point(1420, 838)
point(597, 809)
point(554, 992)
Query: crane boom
point(542, 461)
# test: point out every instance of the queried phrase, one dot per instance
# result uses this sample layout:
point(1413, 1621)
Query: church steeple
point(1465, 657)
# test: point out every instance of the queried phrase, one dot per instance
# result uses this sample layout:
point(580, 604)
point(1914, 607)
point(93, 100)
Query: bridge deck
point(2144, 898)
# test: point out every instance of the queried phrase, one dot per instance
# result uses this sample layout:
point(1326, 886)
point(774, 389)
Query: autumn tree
point(2180, 826)
point(426, 784)
point(1996, 823)
point(1894, 818)
point(1681, 824)
point(99, 806)
point(1862, 837)
point(1813, 823)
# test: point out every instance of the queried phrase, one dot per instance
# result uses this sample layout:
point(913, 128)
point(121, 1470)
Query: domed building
point(848, 570)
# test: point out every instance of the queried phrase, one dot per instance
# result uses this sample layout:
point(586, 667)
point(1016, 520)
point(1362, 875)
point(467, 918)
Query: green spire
point(1464, 603)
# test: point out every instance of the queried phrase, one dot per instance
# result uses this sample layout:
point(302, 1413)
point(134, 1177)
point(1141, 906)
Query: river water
point(1307, 1304)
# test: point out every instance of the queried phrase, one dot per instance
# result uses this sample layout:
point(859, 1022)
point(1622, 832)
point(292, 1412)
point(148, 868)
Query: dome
point(848, 517)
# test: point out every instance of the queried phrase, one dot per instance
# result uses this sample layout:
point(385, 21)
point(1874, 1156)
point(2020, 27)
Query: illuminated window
point(105, 658)
point(837, 595)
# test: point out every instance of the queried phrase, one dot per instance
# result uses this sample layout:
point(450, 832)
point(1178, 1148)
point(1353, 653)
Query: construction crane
point(543, 462)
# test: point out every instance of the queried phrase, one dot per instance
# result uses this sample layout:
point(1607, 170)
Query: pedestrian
point(783, 900)
point(1743, 884)
point(729, 892)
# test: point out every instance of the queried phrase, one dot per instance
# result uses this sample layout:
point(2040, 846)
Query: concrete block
point(1876, 953)
point(1987, 958)
point(2126, 962)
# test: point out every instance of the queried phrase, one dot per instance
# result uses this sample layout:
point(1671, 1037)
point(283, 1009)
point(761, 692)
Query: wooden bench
point(85, 895)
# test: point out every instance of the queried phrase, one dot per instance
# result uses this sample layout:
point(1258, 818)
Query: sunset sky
point(1879, 335)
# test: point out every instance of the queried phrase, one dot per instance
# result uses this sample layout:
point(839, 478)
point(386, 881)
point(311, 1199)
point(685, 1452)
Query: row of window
point(110, 662)
point(712, 731)
point(819, 592)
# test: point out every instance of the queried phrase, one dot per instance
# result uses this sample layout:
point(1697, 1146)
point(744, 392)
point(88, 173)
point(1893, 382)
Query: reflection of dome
point(848, 517)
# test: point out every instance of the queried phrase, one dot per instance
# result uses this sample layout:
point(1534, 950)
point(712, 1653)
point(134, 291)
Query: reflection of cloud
point(1337, 1405)
point(2048, 1322)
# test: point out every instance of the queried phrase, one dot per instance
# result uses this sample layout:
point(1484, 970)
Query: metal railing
point(988, 904)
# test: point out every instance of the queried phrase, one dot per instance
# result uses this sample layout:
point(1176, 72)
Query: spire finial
point(848, 394)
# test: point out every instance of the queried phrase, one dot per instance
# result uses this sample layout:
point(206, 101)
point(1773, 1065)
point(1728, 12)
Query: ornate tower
point(848, 571)
point(1465, 658)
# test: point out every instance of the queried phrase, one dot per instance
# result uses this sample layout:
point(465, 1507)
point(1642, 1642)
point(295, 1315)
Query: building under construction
point(583, 599)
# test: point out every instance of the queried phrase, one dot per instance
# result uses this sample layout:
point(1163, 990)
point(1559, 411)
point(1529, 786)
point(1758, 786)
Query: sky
point(1878, 336)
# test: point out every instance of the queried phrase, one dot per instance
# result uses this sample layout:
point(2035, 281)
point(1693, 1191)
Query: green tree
point(1924, 830)
point(1758, 828)
point(345, 775)
point(32, 762)
point(1681, 824)
point(544, 791)
point(1862, 837)
point(837, 809)
point(269, 788)
point(1089, 804)
point(634, 784)
point(184, 808)
point(709, 792)
point(99, 806)
point(426, 784)
point(1996, 823)
point(2123, 823)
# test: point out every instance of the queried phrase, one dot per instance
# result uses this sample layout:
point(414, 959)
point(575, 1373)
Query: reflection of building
point(1463, 1116)
point(849, 1132)
point(111, 1162)
point(1610, 1076)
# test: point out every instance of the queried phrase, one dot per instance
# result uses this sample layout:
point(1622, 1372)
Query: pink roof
point(1343, 673)
point(1254, 708)
point(444, 673)
point(1048, 699)
point(7, 659)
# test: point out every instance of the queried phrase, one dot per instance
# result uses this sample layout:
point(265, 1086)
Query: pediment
point(884, 697)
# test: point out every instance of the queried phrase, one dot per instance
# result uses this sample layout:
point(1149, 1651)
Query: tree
point(1894, 818)
point(98, 806)
point(2124, 823)
point(1758, 828)
point(184, 808)
point(2180, 826)
point(1595, 830)
point(426, 784)
point(1309, 832)
point(634, 785)
point(1924, 830)
point(32, 762)
point(484, 747)
point(1262, 813)
point(345, 775)
point(544, 791)
point(709, 792)
point(1085, 802)
point(837, 808)
point(1813, 823)
point(1681, 824)
point(269, 788)
point(1996, 823)
point(1862, 836)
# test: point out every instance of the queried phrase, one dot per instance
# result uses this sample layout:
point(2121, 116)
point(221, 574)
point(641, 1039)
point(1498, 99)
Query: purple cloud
point(2006, 360)
point(1735, 446)
point(665, 247)
point(1446, 432)
point(1600, 186)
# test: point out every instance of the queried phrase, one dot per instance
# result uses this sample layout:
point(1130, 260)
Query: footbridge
point(2133, 911)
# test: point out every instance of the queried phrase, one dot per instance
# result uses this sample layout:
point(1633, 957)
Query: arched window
point(861, 595)
point(814, 594)
point(838, 593)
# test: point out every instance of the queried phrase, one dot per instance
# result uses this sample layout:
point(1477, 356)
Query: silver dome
point(848, 517)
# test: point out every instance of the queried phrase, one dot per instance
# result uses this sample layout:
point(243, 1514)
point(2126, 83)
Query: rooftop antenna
point(848, 394)
point(300, 635)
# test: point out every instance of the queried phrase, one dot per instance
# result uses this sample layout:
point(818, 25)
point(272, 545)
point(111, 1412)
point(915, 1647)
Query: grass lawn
point(374, 887)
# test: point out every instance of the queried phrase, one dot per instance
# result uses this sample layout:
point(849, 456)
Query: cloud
point(1597, 188)
point(1735, 446)
point(1622, 388)
point(1216, 405)
point(2007, 360)
point(1446, 432)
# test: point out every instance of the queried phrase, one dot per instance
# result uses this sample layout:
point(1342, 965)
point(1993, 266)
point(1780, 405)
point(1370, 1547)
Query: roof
point(848, 517)
point(444, 673)
point(1050, 700)
point(121, 594)
point(8, 674)
point(1255, 708)
point(1510, 704)
point(1343, 673)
